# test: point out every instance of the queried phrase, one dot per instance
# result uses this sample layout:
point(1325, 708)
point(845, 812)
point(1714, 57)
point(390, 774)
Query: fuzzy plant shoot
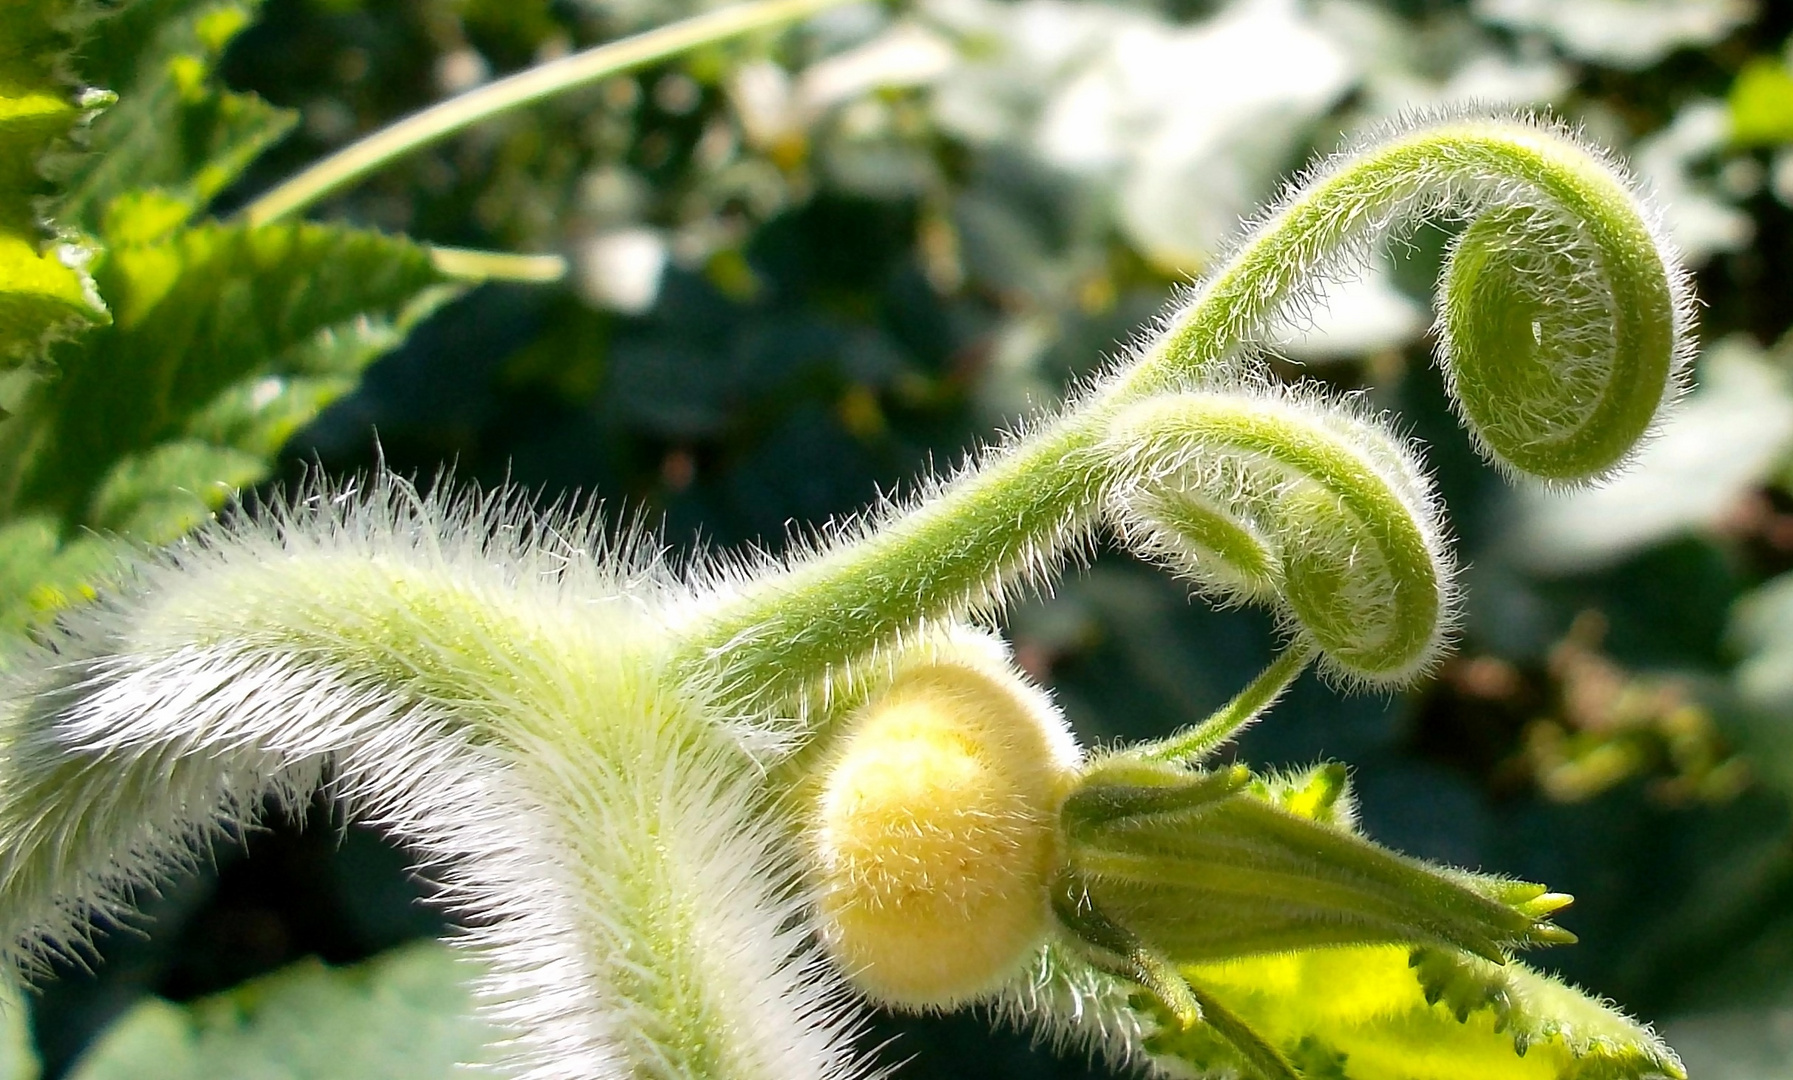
point(695, 817)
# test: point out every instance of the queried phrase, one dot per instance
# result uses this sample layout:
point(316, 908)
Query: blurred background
point(806, 265)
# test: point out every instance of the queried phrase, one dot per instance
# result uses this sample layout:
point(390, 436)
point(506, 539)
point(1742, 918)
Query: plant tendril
point(1562, 326)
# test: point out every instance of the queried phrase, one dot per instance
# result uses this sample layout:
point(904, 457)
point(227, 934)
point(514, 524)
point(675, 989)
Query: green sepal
point(1273, 865)
point(1128, 788)
point(1320, 793)
point(1113, 948)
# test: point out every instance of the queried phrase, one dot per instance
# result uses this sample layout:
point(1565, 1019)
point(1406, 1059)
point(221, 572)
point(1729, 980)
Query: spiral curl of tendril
point(1564, 318)
point(1563, 327)
point(1270, 495)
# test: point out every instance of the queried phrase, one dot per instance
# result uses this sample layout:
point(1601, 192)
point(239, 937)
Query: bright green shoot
point(694, 819)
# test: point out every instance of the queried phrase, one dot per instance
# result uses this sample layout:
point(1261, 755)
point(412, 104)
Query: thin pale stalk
point(1196, 742)
point(472, 264)
point(352, 162)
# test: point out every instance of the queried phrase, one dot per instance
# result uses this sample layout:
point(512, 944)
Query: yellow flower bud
point(936, 833)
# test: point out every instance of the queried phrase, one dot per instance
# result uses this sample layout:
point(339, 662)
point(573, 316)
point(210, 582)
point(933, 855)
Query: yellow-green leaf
point(44, 288)
point(1373, 1013)
point(229, 338)
point(175, 127)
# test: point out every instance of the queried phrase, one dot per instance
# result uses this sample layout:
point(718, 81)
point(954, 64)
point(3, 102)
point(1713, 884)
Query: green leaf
point(45, 292)
point(1377, 1013)
point(149, 497)
point(41, 572)
point(174, 127)
point(405, 1015)
point(228, 338)
point(1762, 104)
point(202, 317)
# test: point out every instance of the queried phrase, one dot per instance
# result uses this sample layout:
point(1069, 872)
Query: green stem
point(1008, 521)
point(1465, 162)
point(356, 160)
point(1012, 514)
point(1194, 743)
point(472, 264)
point(1266, 1060)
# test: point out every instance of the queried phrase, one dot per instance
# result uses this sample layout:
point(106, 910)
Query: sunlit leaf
point(1762, 104)
point(174, 127)
point(198, 314)
point(228, 338)
point(44, 288)
point(1384, 1013)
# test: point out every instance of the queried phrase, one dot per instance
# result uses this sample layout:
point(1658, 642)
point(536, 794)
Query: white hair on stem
point(476, 681)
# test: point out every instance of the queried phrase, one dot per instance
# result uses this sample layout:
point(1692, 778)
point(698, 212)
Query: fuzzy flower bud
point(936, 831)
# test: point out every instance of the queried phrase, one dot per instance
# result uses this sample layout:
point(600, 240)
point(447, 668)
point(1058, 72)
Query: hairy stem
point(491, 702)
point(1013, 517)
point(1464, 164)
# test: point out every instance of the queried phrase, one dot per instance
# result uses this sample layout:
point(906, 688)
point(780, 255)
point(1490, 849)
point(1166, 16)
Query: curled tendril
point(1562, 316)
point(1562, 323)
point(1558, 368)
point(1270, 496)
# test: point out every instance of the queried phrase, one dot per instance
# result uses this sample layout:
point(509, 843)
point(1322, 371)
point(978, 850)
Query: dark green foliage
point(224, 339)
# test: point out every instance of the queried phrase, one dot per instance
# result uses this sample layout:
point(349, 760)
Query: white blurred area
point(1183, 130)
point(1190, 128)
point(620, 270)
point(1726, 439)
